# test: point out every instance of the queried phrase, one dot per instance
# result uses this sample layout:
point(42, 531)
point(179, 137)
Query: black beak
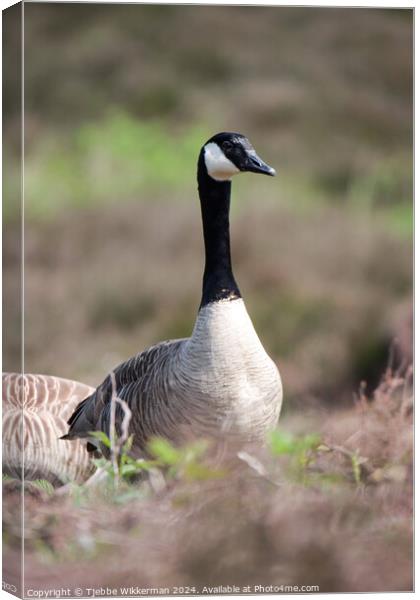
point(254, 164)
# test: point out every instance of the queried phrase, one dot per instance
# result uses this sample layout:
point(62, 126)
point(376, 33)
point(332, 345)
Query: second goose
point(220, 382)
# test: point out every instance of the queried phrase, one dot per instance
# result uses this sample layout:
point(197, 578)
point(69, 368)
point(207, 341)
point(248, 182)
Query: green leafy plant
point(128, 467)
point(285, 443)
point(42, 485)
point(186, 463)
point(300, 450)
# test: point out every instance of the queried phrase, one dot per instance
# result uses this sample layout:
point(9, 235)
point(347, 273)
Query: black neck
point(218, 280)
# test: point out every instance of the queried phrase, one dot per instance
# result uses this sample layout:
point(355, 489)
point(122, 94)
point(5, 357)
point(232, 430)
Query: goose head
point(226, 154)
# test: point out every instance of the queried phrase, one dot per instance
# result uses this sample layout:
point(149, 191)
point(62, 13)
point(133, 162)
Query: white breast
point(228, 370)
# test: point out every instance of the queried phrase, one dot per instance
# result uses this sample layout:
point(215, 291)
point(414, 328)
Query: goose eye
point(227, 146)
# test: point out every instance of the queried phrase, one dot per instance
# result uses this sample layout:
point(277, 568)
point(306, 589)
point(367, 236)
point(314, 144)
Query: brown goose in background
point(35, 411)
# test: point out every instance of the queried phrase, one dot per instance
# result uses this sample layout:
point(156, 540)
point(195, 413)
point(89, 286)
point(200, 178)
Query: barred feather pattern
point(218, 383)
point(35, 411)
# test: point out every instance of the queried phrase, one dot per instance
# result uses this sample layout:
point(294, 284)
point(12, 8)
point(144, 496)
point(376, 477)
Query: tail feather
point(77, 411)
point(81, 421)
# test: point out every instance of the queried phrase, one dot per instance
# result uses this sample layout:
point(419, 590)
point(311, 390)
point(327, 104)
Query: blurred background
point(119, 100)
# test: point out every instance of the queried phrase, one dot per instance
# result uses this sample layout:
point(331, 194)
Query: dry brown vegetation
point(336, 515)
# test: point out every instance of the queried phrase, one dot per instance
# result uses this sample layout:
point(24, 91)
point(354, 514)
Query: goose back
point(35, 411)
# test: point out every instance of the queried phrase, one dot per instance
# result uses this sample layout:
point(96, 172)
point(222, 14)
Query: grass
point(122, 159)
point(118, 159)
point(327, 502)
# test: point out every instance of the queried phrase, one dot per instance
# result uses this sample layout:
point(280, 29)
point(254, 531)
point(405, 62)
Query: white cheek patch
point(218, 166)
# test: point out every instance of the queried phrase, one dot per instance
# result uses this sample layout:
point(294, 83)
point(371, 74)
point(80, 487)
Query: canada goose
point(220, 381)
point(35, 410)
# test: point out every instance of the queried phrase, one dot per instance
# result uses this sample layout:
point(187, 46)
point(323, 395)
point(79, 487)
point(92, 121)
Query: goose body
point(35, 411)
point(220, 382)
